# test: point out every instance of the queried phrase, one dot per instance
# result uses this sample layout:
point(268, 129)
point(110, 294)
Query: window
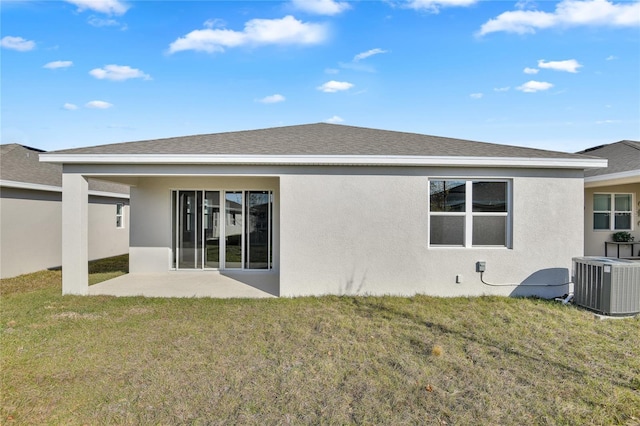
point(612, 212)
point(468, 213)
point(120, 215)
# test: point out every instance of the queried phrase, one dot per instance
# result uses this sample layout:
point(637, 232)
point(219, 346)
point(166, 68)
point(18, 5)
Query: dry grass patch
point(337, 360)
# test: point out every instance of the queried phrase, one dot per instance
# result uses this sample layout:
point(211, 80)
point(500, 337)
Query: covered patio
point(217, 284)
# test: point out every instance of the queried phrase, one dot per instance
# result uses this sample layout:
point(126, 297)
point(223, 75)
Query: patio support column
point(75, 234)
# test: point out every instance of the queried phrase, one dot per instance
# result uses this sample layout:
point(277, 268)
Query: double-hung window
point(612, 212)
point(469, 213)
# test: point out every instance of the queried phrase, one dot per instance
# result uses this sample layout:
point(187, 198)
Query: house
point(333, 209)
point(612, 202)
point(31, 214)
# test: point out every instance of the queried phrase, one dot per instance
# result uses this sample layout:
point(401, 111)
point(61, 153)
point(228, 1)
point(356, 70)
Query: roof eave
point(621, 178)
point(327, 160)
point(52, 188)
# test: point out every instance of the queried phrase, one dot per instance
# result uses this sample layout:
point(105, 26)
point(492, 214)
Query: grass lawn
point(330, 360)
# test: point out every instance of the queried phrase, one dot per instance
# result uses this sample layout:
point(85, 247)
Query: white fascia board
point(329, 160)
point(51, 188)
point(109, 194)
point(27, 185)
point(613, 178)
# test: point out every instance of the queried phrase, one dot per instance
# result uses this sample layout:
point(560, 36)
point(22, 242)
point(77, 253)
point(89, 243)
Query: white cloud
point(368, 53)
point(476, 95)
point(118, 73)
point(58, 64)
point(70, 107)
point(109, 7)
point(528, 70)
point(434, 6)
point(611, 58)
point(334, 120)
point(214, 23)
point(100, 22)
point(17, 43)
point(335, 86)
point(272, 99)
point(287, 30)
point(608, 121)
point(98, 105)
point(567, 13)
point(331, 71)
point(501, 89)
point(321, 7)
point(570, 65)
point(534, 86)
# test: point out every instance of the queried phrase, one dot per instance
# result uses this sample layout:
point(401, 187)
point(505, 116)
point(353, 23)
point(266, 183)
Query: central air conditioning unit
point(607, 286)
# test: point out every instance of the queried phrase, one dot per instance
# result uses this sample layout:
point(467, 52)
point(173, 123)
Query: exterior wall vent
point(607, 286)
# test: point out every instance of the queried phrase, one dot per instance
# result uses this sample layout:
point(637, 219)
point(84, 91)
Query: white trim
point(33, 186)
point(355, 160)
point(630, 176)
point(109, 194)
point(51, 188)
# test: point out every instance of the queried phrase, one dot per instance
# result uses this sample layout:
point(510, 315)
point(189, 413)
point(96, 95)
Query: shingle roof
point(19, 163)
point(623, 156)
point(318, 139)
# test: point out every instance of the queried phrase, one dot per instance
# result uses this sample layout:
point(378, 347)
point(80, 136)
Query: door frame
point(222, 229)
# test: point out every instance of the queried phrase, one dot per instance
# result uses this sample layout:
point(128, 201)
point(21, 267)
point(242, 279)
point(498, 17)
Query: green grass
point(329, 360)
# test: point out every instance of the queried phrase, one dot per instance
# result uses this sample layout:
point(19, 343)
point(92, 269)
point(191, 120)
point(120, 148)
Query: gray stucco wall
point(346, 229)
point(594, 239)
point(341, 233)
point(31, 233)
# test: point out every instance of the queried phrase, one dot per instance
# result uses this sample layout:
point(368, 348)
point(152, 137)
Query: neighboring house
point(31, 214)
point(332, 209)
point(612, 199)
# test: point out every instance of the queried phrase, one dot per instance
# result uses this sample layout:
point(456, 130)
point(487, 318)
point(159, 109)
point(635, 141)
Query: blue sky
point(561, 75)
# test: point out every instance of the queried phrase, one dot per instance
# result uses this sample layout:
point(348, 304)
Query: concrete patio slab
point(216, 284)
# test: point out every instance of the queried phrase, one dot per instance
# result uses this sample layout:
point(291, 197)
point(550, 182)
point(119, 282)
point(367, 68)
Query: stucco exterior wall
point(151, 239)
point(31, 233)
point(365, 229)
point(368, 233)
point(594, 239)
point(105, 239)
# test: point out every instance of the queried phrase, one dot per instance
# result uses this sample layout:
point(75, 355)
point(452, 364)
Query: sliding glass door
point(211, 235)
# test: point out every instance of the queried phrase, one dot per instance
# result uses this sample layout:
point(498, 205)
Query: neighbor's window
point(119, 215)
point(468, 213)
point(612, 212)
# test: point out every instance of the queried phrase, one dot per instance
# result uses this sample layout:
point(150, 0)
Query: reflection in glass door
point(189, 225)
point(233, 230)
point(206, 236)
point(212, 229)
point(258, 229)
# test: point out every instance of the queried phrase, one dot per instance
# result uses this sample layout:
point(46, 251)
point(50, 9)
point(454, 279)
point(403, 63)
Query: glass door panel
point(257, 230)
point(212, 229)
point(189, 229)
point(233, 230)
point(206, 236)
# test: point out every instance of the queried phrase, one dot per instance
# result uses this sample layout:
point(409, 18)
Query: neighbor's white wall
point(342, 233)
point(105, 239)
point(594, 240)
point(150, 245)
point(31, 230)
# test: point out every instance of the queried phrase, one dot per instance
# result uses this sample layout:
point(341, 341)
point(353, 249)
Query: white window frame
point(469, 214)
point(612, 211)
point(120, 215)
